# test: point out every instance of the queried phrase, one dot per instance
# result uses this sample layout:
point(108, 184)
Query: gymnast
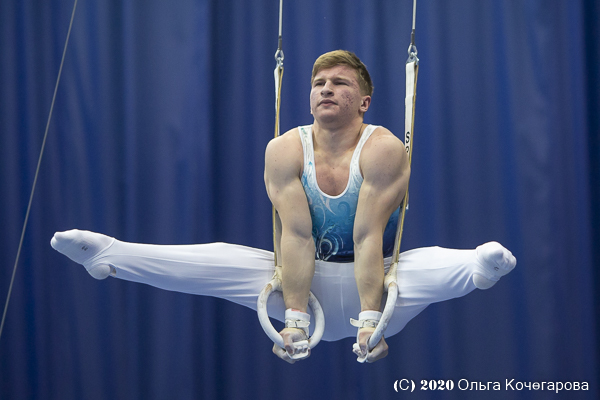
point(337, 186)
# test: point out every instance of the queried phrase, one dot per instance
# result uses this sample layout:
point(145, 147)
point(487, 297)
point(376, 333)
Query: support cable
point(390, 281)
point(37, 170)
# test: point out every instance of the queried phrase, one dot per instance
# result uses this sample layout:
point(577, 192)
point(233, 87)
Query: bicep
point(292, 206)
point(375, 206)
point(384, 186)
point(285, 190)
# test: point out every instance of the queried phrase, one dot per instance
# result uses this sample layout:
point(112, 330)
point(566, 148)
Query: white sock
point(82, 246)
point(495, 262)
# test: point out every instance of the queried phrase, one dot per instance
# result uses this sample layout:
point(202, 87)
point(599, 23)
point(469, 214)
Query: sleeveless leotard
point(333, 216)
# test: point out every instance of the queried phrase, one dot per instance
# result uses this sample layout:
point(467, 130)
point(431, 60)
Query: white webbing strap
point(366, 319)
point(297, 319)
point(278, 75)
point(409, 105)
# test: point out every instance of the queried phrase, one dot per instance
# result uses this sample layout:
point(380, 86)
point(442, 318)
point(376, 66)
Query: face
point(335, 95)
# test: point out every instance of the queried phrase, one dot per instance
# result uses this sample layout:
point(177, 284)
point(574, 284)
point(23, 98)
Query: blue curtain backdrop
point(158, 136)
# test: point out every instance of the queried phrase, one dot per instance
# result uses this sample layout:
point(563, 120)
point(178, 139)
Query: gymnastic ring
point(265, 322)
point(390, 304)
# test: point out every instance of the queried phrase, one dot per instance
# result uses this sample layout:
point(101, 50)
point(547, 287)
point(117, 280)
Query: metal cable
point(12, 280)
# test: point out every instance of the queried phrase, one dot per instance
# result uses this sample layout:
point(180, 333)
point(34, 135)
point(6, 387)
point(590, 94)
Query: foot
point(494, 262)
point(82, 247)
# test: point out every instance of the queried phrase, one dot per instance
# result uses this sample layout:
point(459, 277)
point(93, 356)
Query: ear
point(364, 105)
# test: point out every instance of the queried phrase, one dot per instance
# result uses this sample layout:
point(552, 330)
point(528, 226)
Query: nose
point(326, 89)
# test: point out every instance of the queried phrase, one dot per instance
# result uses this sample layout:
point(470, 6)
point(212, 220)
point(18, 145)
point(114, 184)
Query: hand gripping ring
point(263, 317)
point(391, 285)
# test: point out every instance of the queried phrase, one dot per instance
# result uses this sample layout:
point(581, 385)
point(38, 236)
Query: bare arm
point(385, 169)
point(283, 163)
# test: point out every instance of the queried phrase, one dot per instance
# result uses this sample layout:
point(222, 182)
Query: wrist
point(367, 319)
point(370, 314)
point(297, 319)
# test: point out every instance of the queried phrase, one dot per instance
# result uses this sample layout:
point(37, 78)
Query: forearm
point(369, 272)
point(298, 269)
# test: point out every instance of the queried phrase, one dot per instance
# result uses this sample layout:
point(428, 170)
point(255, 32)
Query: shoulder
point(284, 153)
point(383, 140)
point(286, 143)
point(382, 153)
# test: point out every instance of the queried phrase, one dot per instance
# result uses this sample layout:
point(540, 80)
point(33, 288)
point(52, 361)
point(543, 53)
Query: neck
point(337, 138)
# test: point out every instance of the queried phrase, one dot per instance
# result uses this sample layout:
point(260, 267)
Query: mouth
point(326, 102)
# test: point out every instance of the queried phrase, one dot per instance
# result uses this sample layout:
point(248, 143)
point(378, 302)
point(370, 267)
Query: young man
point(340, 96)
point(336, 185)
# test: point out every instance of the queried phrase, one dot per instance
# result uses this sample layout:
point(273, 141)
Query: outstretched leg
point(232, 272)
point(433, 274)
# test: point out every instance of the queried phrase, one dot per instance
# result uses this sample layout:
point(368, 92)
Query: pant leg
point(227, 271)
point(433, 274)
point(430, 275)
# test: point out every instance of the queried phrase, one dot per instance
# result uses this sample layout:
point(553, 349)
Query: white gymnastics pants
point(238, 274)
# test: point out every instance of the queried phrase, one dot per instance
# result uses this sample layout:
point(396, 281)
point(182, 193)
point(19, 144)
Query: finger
point(363, 340)
point(380, 351)
point(362, 346)
point(376, 355)
point(287, 340)
point(301, 355)
point(360, 357)
point(372, 359)
point(291, 338)
point(356, 349)
point(281, 353)
point(289, 345)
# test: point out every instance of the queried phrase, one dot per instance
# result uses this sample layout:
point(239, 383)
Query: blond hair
point(344, 57)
